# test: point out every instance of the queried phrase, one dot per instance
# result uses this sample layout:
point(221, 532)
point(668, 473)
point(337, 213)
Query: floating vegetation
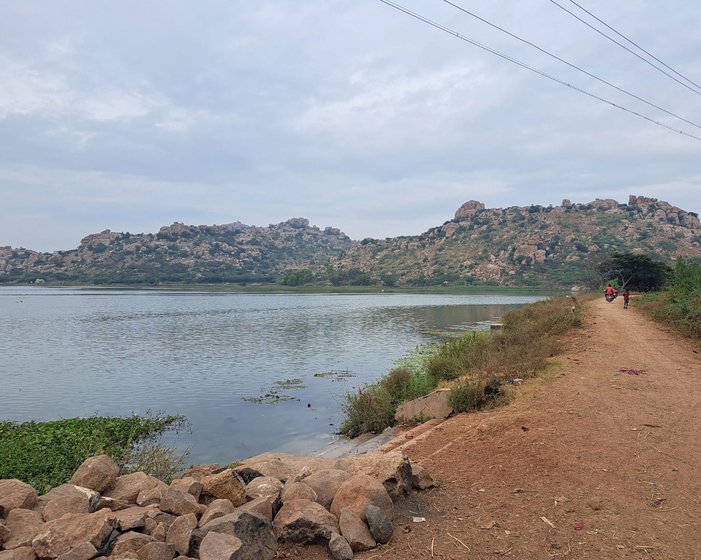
point(271, 397)
point(335, 374)
point(291, 384)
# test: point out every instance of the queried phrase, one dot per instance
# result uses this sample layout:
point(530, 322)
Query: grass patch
point(467, 394)
point(531, 335)
point(46, 454)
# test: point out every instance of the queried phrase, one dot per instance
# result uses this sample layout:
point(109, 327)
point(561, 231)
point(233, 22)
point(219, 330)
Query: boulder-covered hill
point(531, 245)
point(181, 253)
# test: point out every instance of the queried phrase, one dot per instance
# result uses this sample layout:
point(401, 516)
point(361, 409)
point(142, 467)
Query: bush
point(368, 410)
point(402, 384)
point(466, 394)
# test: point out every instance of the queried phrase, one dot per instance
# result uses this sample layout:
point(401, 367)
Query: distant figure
point(610, 293)
point(626, 298)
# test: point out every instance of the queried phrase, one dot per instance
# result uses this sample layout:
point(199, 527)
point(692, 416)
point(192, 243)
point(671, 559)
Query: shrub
point(368, 410)
point(466, 394)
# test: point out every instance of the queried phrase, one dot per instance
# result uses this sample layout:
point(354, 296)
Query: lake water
point(212, 356)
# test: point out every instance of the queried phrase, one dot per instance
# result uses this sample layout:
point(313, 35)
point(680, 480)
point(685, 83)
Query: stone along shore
point(211, 512)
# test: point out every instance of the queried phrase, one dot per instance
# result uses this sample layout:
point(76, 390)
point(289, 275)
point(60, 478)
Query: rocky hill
point(531, 245)
point(181, 253)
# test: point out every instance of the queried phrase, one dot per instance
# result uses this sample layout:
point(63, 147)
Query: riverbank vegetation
point(46, 454)
point(530, 336)
point(680, 304)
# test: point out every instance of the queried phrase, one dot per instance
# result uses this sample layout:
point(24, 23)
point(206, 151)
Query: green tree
point(635, 272)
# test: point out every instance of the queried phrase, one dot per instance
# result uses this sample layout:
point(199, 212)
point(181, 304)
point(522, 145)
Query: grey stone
point(339, 548)
point(379, 523)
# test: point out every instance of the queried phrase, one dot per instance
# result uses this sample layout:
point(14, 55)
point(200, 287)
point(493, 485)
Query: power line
point(544, 51)
point(645, 60)
point(531, 68)
point(636, 44)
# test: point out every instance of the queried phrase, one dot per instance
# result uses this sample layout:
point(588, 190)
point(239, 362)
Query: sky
point(133, 115)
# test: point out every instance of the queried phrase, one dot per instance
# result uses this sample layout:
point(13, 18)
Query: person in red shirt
point(626, 298)
point(610, 293)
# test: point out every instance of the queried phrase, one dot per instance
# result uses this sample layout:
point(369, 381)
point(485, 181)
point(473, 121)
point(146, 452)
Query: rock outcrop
point(551, 245)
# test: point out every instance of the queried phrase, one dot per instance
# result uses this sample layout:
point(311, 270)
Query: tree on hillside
point(635, 272)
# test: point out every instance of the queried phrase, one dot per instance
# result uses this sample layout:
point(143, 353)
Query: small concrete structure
point(433, 405)
point(496, 327)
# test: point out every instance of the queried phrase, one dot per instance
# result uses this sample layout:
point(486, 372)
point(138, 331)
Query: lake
point(242, 367)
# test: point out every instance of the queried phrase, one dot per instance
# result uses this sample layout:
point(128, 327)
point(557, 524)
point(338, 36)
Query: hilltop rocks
point(469, 209)
point(348, 507)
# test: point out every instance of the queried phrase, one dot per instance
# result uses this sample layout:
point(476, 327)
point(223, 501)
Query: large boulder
point(282, 466)
point(218, 508)
point(67, 498)
point(151, 496)
point(22, 526)
point(178, 502)
point(180, 533)
point(225, 485)
point(98, 473)
point(304, 521)
point(326, 483)
point(66, 533)
point(156, 551)
point(254, 531)
point(84, 551)
point(16, 494)
point(128, 486)
point(355, 532)
point(132, 518)
point(264, 487)
point(220, 546)
point(260, 506)
point(130, 543)
point(4, 534)
point(188, 485)
point(393, 469)
point(359, 491)
point(297, 491)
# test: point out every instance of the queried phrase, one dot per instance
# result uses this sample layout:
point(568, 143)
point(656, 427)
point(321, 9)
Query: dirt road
point(595, 463)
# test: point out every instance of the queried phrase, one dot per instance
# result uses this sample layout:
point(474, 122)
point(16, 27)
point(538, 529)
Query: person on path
point(609, 292)
point(626, 298)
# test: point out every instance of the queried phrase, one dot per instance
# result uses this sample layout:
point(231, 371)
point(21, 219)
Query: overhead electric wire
point(531, 68)
point(635, 44)
point(645, 60)
point(571, 65)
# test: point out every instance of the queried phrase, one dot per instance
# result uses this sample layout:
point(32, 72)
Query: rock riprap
point(211, 512)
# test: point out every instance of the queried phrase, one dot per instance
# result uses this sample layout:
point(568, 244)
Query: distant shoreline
point(276, 288)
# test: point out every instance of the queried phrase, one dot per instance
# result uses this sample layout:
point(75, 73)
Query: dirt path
point(591, 463)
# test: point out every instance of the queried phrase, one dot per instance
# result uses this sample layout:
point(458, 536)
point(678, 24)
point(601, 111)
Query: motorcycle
point(611, 297)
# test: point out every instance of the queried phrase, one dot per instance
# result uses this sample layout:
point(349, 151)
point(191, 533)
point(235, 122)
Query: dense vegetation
point(46, 454)
point(531, 335)
point(680, 304)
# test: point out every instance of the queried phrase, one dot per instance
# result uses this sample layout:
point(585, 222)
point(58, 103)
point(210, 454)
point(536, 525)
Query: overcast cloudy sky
point(132, 115)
